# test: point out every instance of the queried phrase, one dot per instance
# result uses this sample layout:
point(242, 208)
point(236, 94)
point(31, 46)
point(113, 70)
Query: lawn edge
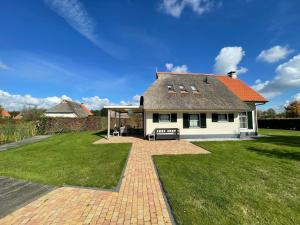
point(169, 208)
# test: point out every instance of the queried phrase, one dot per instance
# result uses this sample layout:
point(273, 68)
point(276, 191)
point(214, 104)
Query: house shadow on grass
point(282, 154)
point(101, 134)
point(290, 141)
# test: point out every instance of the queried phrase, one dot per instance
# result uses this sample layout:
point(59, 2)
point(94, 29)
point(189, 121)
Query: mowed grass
point(240, 182)
point(67, 159)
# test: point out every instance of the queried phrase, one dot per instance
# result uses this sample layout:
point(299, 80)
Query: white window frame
point(198, 121)
point(223, 121)
point(170, 88)
point(164, 121)
point(245, 122)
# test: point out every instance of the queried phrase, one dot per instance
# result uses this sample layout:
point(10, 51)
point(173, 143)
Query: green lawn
point(69, 159)
point(240, 182)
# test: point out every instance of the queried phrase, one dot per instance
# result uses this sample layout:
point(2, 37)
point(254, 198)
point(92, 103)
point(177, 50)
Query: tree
point(32, 114)
point(292, 110)
point(271, 113)
point(1, 109)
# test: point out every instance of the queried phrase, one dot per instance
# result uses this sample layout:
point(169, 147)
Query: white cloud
point(134, 101)
point(229, 59)
point(297, 97)
point(95, 102)
point(274, 54)
point(3, 66)
point(75, 14)
point(176, 69)
point(259, 85)
point(287, 77)
point(175, 7)
point(18, 102)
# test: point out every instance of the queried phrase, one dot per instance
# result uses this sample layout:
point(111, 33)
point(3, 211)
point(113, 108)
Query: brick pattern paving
point(139, 200)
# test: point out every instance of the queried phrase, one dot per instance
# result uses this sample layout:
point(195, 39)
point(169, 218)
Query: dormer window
point(182, 89)
point(170, 88)
point(194, 89)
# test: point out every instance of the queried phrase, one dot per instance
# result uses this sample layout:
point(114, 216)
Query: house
point(198, 106)
point(68, 109)
point(4, 114)
point(18, 116)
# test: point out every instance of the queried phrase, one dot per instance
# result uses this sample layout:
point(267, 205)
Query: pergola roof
point(124, 108)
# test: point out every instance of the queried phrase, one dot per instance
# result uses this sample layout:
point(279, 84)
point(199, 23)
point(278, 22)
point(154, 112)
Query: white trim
point(122, 107)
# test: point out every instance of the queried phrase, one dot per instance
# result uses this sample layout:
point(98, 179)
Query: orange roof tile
point(241, 89)
point(5, 113)
point(86, 110)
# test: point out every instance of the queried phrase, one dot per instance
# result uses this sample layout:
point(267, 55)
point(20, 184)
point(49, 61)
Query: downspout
point(256, 120)
point(108, 124)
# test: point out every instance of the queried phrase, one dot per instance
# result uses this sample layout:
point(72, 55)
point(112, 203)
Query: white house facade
point(199, 106)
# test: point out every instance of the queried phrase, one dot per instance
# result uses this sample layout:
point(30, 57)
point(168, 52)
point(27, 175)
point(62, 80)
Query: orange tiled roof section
point(242, 90)
point(86, 110)
point(5, 113)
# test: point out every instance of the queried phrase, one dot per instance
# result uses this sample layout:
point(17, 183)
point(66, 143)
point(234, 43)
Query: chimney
point(232, 74)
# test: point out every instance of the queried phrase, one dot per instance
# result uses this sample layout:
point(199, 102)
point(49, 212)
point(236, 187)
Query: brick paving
point(139, 200)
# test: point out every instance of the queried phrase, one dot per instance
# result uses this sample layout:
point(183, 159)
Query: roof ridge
point(189, 73)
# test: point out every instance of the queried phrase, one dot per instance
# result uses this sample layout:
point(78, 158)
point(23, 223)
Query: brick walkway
point(139, 200)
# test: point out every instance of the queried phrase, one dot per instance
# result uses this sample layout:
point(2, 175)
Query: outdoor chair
point(123, 131)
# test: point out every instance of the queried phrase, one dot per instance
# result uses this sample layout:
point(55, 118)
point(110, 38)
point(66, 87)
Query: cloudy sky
point(106, 52)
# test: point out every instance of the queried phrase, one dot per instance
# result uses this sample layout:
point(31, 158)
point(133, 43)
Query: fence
point(287, 124)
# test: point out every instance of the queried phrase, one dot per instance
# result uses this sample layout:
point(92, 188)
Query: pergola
point(121, 109)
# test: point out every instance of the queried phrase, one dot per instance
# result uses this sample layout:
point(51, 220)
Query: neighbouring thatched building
point(68, 109)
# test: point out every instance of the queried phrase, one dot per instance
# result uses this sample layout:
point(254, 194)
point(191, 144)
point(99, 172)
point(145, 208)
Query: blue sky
point(101, 52)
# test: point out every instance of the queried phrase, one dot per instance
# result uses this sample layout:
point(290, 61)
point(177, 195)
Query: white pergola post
point(108, 123)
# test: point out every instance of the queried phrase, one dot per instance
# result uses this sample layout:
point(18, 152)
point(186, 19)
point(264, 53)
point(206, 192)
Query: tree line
point(292, 110)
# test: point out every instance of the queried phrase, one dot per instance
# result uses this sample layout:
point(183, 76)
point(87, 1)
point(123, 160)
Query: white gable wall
point(213, 129)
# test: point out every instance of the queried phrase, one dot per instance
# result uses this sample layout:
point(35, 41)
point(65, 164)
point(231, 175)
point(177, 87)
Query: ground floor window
point(243, 120)
point(164, 117)
point(222, 117)
point(194, 120)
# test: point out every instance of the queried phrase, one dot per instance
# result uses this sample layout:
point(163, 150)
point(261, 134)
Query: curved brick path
point(139, 200)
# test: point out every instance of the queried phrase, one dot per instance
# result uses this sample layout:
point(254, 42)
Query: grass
point(69, 159)
point(240, 182)
point(12, 131)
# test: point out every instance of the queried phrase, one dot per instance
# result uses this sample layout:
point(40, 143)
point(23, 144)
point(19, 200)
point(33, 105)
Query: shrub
point(11, 131)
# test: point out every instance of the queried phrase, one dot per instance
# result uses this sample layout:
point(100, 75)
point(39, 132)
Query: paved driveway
point(139, 199)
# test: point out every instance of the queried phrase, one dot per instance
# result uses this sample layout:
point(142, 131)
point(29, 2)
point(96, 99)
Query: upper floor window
point(170, 88)
point(182, 88)
point(194, 89)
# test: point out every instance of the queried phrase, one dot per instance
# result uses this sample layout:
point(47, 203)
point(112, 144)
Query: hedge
point(64, 125)
point(287, 124)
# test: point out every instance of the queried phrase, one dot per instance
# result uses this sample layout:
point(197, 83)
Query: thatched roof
point(212, 94)
point(69, 107)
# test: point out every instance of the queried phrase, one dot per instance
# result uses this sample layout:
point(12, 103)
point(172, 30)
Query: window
point(182, 89)
point(194, 120)
point(222, 117)
point(170, 88)
point(243, 120)
point(194, 89)
point(164, 117)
